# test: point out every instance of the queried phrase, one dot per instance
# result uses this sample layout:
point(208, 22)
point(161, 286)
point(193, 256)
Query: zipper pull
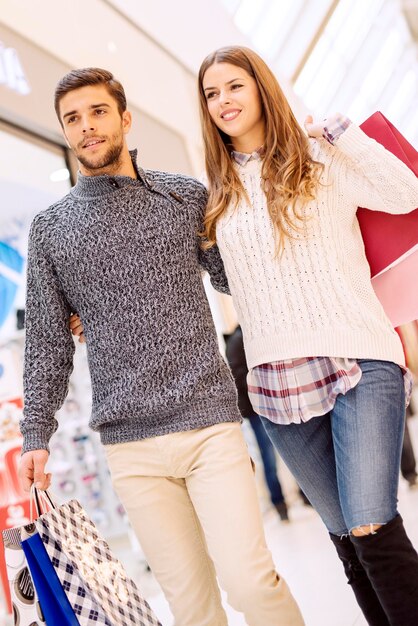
point(176, 196)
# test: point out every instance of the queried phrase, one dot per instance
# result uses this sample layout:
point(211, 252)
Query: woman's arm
point(376, 178)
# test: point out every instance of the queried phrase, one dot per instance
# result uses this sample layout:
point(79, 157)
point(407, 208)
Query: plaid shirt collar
point(242, 158)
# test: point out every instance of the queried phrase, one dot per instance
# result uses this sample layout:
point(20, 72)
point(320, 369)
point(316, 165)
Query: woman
point(326, 367)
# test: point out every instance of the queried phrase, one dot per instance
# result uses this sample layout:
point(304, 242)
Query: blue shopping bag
point(54, 603)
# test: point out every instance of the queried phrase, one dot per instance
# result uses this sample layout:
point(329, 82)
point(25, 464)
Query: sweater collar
point(88, 187)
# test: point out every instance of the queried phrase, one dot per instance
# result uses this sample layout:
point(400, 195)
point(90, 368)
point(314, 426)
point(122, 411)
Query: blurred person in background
point(235, 355)
point(122, 249)
point(326, 368)
point(408, 459)
point(410, 348)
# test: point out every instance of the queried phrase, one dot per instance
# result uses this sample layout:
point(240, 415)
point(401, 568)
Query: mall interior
point(356, 57)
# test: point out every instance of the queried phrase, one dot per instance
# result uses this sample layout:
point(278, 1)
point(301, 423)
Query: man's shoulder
point(178, 182)
point(53, 213)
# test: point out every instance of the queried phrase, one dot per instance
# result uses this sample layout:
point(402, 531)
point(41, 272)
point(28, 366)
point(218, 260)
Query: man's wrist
point(34, 441)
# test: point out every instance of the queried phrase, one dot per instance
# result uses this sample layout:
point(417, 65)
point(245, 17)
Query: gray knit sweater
point(124, 254)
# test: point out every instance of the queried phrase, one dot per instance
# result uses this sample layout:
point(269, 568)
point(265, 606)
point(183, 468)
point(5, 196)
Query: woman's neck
point(249, 143)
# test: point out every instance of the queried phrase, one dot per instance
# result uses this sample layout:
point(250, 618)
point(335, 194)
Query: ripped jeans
point(347, 461)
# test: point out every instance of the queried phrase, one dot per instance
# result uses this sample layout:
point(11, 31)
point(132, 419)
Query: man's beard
point(109, 160)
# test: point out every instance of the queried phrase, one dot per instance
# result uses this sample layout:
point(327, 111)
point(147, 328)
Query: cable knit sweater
point(125, 255)
point(317, 298)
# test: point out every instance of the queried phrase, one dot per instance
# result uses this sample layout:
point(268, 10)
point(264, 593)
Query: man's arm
point(49, 350)
point(210, 260)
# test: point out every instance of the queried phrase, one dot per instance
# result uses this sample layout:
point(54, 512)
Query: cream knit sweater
point(317, 298)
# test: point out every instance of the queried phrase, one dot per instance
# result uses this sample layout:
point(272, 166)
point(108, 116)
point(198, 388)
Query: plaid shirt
point(295, 390)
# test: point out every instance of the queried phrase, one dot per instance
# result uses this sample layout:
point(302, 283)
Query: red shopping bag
point(388, 237)
point(396, 290)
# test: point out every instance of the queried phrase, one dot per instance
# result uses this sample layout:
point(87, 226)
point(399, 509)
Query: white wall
point(91, 33)
point(190, 29)
point(157, 69)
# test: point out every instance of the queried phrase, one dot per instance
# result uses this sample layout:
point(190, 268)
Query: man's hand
point(76, 328)
point(32, 470)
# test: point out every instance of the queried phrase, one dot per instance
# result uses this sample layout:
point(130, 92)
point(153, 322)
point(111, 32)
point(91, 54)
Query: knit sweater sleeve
point(210, 260)
point(377, 178)
point(49, 347)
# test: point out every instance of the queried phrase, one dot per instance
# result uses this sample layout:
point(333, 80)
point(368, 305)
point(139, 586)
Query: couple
point(125, 248)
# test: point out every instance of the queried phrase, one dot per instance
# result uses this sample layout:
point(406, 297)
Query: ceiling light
point(59, 175)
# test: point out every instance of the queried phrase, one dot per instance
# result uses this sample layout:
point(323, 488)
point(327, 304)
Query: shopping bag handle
point(42, 500)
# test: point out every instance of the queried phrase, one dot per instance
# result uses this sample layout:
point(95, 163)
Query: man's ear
point(126, 122)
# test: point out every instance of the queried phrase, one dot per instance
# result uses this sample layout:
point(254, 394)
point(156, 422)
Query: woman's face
point(234, 104)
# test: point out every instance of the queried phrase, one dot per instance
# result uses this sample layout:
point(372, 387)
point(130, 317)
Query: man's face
point(93, 128)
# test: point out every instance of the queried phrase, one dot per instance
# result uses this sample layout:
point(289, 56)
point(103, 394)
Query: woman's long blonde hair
point(289, 173)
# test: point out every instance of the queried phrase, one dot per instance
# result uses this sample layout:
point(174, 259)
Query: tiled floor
point(305, 557)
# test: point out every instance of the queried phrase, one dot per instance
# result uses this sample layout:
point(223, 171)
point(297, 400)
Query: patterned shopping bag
point(71, 539)
point(26, 608)
point(52, 598)
point(86, 608)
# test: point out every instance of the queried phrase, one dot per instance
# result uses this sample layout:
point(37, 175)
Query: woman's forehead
point(223, 72)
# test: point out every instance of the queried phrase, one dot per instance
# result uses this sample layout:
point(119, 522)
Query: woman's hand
point(76, 328)
point(330, 129)
point(314, 129)
point(319, 129)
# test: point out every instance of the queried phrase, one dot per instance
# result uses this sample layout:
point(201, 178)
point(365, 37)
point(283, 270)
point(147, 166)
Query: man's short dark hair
point(86, 77)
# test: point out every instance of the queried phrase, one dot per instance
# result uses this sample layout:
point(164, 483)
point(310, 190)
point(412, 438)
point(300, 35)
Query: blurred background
point(352, 56)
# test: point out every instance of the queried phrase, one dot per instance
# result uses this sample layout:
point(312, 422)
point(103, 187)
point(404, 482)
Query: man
point(122, 250)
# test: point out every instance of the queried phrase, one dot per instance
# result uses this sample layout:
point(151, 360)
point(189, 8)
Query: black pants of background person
point(408, 460)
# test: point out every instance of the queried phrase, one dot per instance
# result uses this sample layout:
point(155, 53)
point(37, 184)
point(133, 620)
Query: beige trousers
point(192, 494)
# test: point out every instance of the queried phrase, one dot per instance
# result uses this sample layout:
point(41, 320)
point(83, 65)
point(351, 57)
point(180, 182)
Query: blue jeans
point(347, 461)
point(268, 457)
